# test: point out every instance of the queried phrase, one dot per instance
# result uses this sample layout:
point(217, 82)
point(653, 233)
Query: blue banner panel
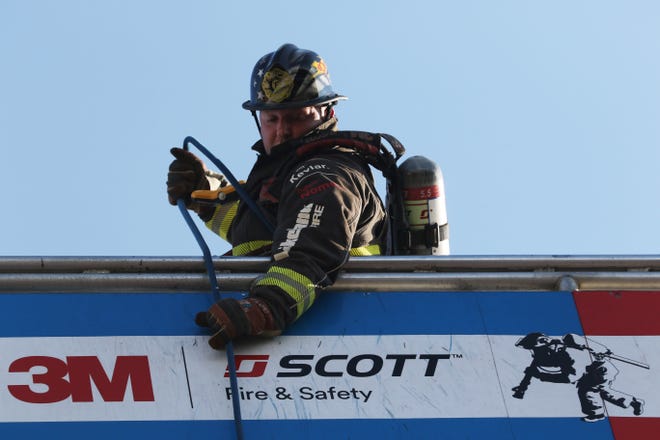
point(382, 429)
point(334, 313)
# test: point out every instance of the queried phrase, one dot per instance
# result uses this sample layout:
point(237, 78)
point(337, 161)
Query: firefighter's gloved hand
point(229, 318)
point(187, 173)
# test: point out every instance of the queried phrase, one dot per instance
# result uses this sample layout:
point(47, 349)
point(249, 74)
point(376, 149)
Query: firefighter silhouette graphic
point(552, 361)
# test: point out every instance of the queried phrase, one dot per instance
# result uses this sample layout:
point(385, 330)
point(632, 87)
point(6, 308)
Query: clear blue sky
point(544, 116)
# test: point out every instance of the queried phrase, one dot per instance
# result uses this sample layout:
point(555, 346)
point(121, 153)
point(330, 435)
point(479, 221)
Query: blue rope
point(208, 261)
point(210, 269)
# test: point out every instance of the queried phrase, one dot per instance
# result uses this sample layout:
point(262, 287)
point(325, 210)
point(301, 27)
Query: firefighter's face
point(278, 126)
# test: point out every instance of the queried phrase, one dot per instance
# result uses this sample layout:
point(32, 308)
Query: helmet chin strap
point(256, 121)
point(329, 112)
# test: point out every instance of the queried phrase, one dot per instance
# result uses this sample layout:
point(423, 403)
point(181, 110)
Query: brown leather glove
point(229, 318)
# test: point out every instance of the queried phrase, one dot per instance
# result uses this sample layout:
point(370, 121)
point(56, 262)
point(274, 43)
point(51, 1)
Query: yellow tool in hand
point(215, 196)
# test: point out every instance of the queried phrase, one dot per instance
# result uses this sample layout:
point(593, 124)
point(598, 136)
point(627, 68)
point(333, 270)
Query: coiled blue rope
point(210, 269)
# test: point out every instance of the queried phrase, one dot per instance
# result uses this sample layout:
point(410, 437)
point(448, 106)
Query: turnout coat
point(321, 200)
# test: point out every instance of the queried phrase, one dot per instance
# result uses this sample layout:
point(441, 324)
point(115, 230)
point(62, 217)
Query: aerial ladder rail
point(374, 274)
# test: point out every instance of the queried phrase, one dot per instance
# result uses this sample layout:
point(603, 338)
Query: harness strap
point(366, 144)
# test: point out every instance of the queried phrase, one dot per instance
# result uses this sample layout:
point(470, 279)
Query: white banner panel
point(307, 377)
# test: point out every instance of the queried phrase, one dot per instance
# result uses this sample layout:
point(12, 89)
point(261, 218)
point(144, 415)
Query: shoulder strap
point(368, 145)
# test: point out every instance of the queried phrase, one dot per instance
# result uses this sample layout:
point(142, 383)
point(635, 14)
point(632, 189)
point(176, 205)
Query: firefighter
point(320, 199)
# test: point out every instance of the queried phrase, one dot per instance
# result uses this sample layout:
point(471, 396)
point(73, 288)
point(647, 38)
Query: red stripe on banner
point(635, 428)
point(619, 313)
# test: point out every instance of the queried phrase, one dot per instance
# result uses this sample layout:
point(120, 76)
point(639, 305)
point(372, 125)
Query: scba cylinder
point(423, 195)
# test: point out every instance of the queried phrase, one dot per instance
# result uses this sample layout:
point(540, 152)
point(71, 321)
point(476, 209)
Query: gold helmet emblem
point(277, 84)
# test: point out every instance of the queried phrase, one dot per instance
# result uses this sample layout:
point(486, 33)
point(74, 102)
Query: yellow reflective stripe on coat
point(250, 246)
point(222, 218)
point(365, 251)
point(295, 284)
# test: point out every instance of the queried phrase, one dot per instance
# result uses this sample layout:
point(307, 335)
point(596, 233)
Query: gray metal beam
point(375, 274)
point(55, 264)
point(352, 281)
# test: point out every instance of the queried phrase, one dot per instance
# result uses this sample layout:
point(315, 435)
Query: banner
point(510, 365)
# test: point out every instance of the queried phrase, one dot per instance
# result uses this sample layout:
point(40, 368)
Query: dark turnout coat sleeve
point(328, 209)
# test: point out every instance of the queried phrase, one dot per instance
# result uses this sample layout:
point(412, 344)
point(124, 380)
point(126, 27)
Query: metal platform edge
point(371, 274)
